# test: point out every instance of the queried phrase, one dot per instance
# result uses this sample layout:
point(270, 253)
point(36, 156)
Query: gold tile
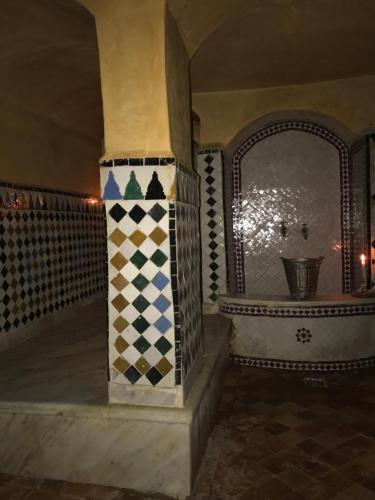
point(121, 344)
point(118, 261)
point(117, 237)
point(119, 282)
point(119, 302)
point(164, 366)
point(158, 235)
point(121, 365)
point(137, 238)
point(142, 365)
point(120, 324)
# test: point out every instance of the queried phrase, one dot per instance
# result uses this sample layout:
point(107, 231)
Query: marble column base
point(154, 449)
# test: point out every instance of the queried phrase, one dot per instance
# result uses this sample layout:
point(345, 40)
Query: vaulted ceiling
point(283, 42)
point(49, 55)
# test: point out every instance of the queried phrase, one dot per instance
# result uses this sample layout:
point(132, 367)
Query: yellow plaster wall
point(131, 38)
point(40, 153)
point(224, 114)
point(178, 92)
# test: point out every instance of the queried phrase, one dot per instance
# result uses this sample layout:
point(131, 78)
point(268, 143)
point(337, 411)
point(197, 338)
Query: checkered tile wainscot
point(52, 253)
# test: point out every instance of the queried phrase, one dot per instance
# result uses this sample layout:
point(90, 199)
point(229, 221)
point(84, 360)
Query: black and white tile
point(52, 253)
point(214, 273)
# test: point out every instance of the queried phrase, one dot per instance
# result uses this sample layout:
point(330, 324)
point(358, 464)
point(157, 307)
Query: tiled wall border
point(182, 188)
point(310, 311)
point(268, 131)
point(325, 366)
point(212, 218)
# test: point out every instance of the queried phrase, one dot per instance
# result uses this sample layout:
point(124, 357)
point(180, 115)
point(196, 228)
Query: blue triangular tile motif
point(111, 189)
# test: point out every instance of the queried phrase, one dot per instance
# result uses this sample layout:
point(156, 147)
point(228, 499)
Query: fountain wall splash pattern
point(155, 335)
point(214, 275)
point(270, 215)
point(52, 253)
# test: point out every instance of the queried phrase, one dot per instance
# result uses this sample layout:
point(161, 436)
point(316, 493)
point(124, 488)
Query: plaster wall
point(223, 114)
point(131, 39)
point(178, 92)
point(36, 151)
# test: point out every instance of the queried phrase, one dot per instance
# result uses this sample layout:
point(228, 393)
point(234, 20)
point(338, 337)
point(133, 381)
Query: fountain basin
point(325, 333)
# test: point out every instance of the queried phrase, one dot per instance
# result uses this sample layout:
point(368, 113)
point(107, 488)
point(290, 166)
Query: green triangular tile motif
point(133, 190)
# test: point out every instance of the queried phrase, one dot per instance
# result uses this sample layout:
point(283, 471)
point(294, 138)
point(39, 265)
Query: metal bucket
point(302, 275)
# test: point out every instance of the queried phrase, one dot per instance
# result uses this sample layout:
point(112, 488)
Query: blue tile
point(162, 303)
point(162, 324)
point(160, 281)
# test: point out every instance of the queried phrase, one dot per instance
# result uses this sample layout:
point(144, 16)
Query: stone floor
point(289, 436)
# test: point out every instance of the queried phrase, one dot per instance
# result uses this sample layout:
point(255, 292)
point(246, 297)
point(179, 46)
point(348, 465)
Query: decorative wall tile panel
point(52, 253)
point(187, 289)
point(238, 220)
point(141, 329)
point(210, 168)
point(154, 282)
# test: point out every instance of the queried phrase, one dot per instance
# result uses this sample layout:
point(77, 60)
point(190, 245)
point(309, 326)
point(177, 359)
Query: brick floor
point(276, 438)
point(279, 436)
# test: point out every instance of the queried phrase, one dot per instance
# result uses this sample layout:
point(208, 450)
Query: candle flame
point(363, 259)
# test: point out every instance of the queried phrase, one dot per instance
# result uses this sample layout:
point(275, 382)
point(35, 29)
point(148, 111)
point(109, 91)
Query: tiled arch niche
point(235, 206)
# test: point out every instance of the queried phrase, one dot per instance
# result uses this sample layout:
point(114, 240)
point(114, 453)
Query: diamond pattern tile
point(141, 329)
point(188, 285)
point(52, 254)
point(210, 168)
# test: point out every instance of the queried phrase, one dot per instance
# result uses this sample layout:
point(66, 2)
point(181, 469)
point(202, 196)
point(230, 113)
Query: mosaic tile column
point(214, 273)
point(155, 336)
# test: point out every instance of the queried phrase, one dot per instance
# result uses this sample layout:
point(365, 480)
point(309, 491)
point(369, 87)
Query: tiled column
point(214, 273)
point(155, 336)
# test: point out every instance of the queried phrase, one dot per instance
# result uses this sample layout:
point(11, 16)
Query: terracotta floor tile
point(289, 420)
point(14, 492)
point(336, 480)
point(329, 439)
point(276, 464)
point(292, 437)
point(317, 491)
point(333, 459)
point(358, 492)
point(290, 407)
point(275, 428)
point(355, 446)
point(274, 489)
point(307, 415)
point(314, 468)
point(311, 447)
point(356, 472)
point(309, 429)
point(295, 478)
